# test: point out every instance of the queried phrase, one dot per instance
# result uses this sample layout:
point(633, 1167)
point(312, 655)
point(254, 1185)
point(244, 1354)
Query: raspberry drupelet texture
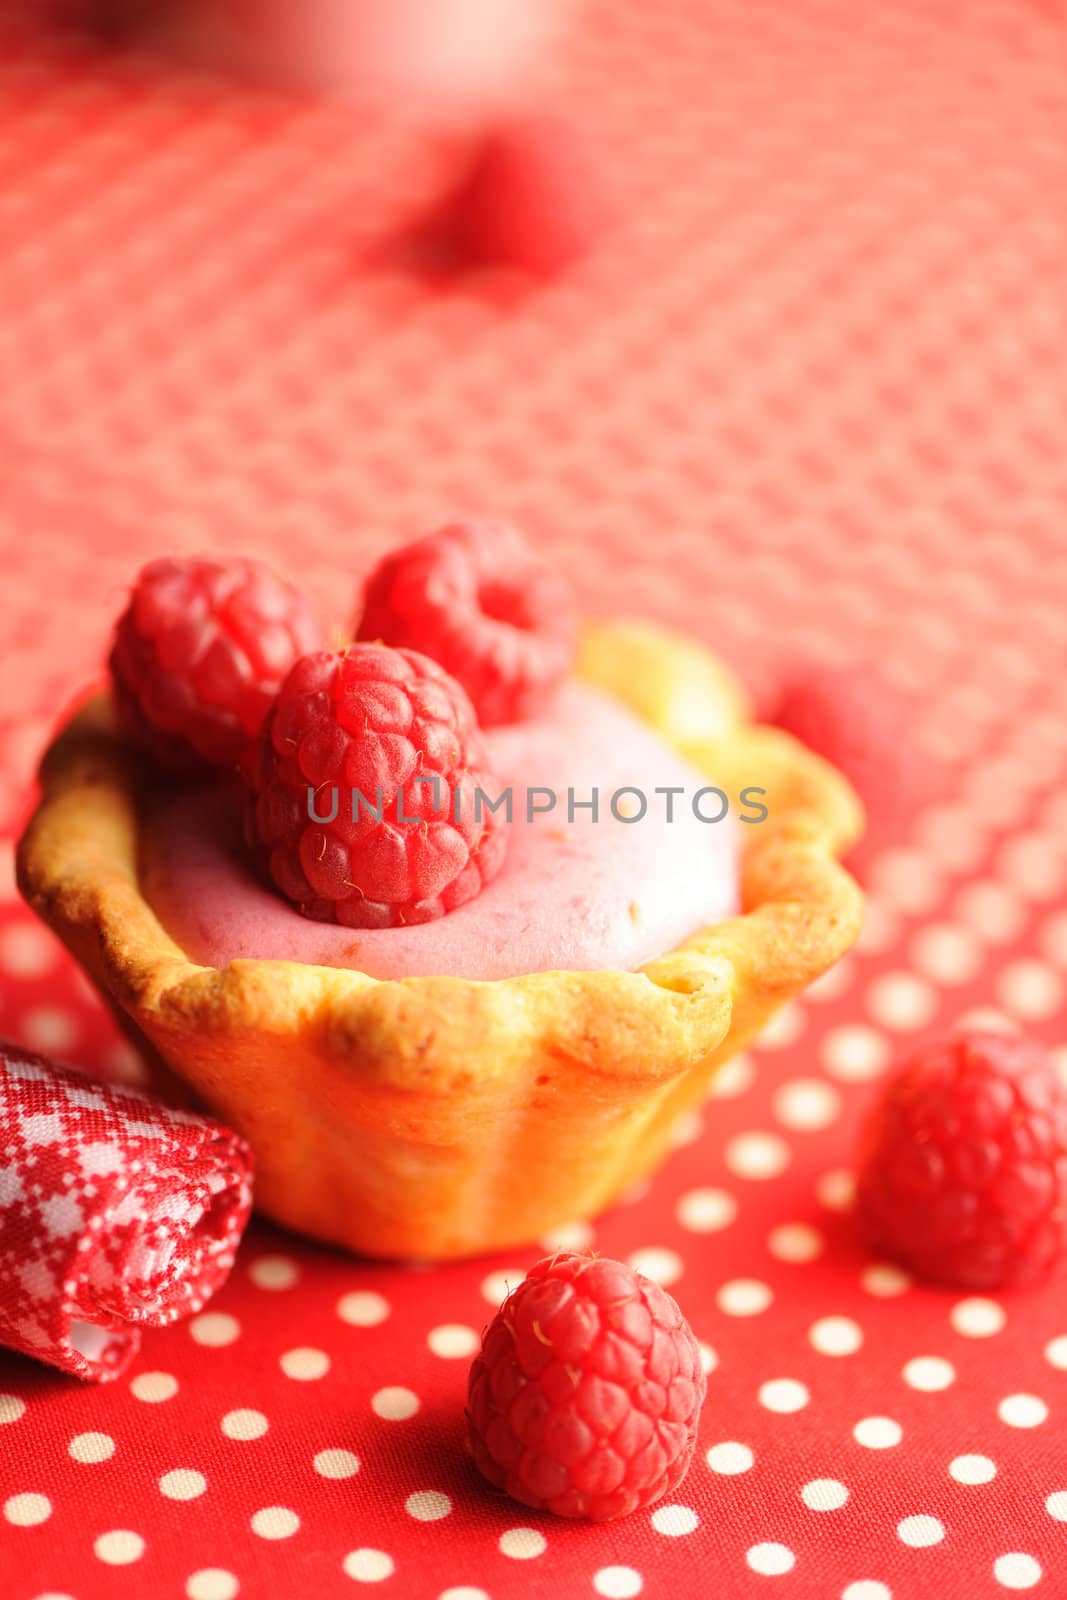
point(198, 655)
point(365, 790)
point(963, 1168)
point(585, 1398)
point(476, 598)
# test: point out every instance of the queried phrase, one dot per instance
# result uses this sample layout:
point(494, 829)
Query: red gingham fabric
point(116, 1212)
point(806, 401)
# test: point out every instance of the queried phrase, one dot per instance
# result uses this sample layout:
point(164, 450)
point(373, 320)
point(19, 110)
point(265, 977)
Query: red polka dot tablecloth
point(807, 401)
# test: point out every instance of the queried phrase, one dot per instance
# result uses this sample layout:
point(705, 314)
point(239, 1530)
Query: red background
point(806, 400)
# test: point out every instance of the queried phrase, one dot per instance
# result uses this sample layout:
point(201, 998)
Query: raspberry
point(199, 653)
point(585, 1397)
point(534, 198)
point(863, 727)
point(386, 741)
point(476, 598)
point(963, 1170)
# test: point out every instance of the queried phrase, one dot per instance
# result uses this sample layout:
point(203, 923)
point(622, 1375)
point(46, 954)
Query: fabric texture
point(116, 1213)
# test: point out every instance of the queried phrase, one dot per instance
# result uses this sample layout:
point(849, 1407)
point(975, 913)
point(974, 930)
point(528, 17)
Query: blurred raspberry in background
point(465, 55)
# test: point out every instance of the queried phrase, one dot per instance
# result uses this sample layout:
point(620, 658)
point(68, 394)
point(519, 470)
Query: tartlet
point(440, 1117)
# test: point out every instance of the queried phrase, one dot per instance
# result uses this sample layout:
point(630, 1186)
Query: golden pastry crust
point(439, 1117)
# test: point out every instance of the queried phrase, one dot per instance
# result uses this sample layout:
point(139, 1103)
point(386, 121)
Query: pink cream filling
point(574, 894)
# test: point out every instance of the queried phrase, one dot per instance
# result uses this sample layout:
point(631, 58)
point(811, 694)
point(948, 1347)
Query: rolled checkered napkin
point(116, 1213)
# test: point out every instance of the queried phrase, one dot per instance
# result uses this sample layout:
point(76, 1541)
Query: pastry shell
point(441, 1117)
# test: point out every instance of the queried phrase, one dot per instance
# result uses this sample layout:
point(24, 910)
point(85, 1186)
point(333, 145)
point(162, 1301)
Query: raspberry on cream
point(393, 734)
point(198, 655)
point(571, 895)
point(476, 598)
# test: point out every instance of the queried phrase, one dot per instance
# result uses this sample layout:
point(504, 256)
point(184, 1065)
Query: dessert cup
point(437, 1117)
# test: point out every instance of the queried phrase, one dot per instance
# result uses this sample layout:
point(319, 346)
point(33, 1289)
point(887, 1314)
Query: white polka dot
point(154, 1387)
point(275, 1522)
point(836, 1189)
point(744, 1297)
point(274, 1272)
point(946, 953)
point(522, 1544)
point(11, 1408)
point(244, 1424)
point(119, 1548)
point(685, 1130)
point(91, 1447)
point(885, 1280)
point(783, 1395)
point(880, 929)
point(1022, 1411)
point(855, 1053)
point(304, 1364)
point(674, 1521)
point(212, 1583)
point(27, 1510)
point(1031, 864)
point(363, 1308)
point(733, 1078)
point(1055, 1354)
point(215, 1329)
point(831, 984)
point(920, 1531)
point(27, 951)
point(1031, 990)
point(977, 1318)
point(902, 1001)
point(706, 1210)
point(453, 1341)
point(771, 1560)
point(867, 1589)
point(928, 1374)
point(877, 1433)
point(784, 1028)
point(496, 1286)
point(394, 1404)
point(182, 1484)
point(368, 1566)
point(1056, 1505)
point(972, 1469)
point(121, 1063)
point(757, 1156)
point(50, 1029)
point(1052, 937)
point(568, 1236)
point(949, 834)
point(463, 1592)
point(428, 1505)
point(824, 1494)
point(662, 1266)
point(908, 880)
point(336, 1464)
point(709, 1360)
point(1016, 1570)
point(795, 1241)
point(806, 1104)
point(730, 1457)
point(617, 1583)
point(985, 1019)
point(996, 915)
point(836, 1336)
